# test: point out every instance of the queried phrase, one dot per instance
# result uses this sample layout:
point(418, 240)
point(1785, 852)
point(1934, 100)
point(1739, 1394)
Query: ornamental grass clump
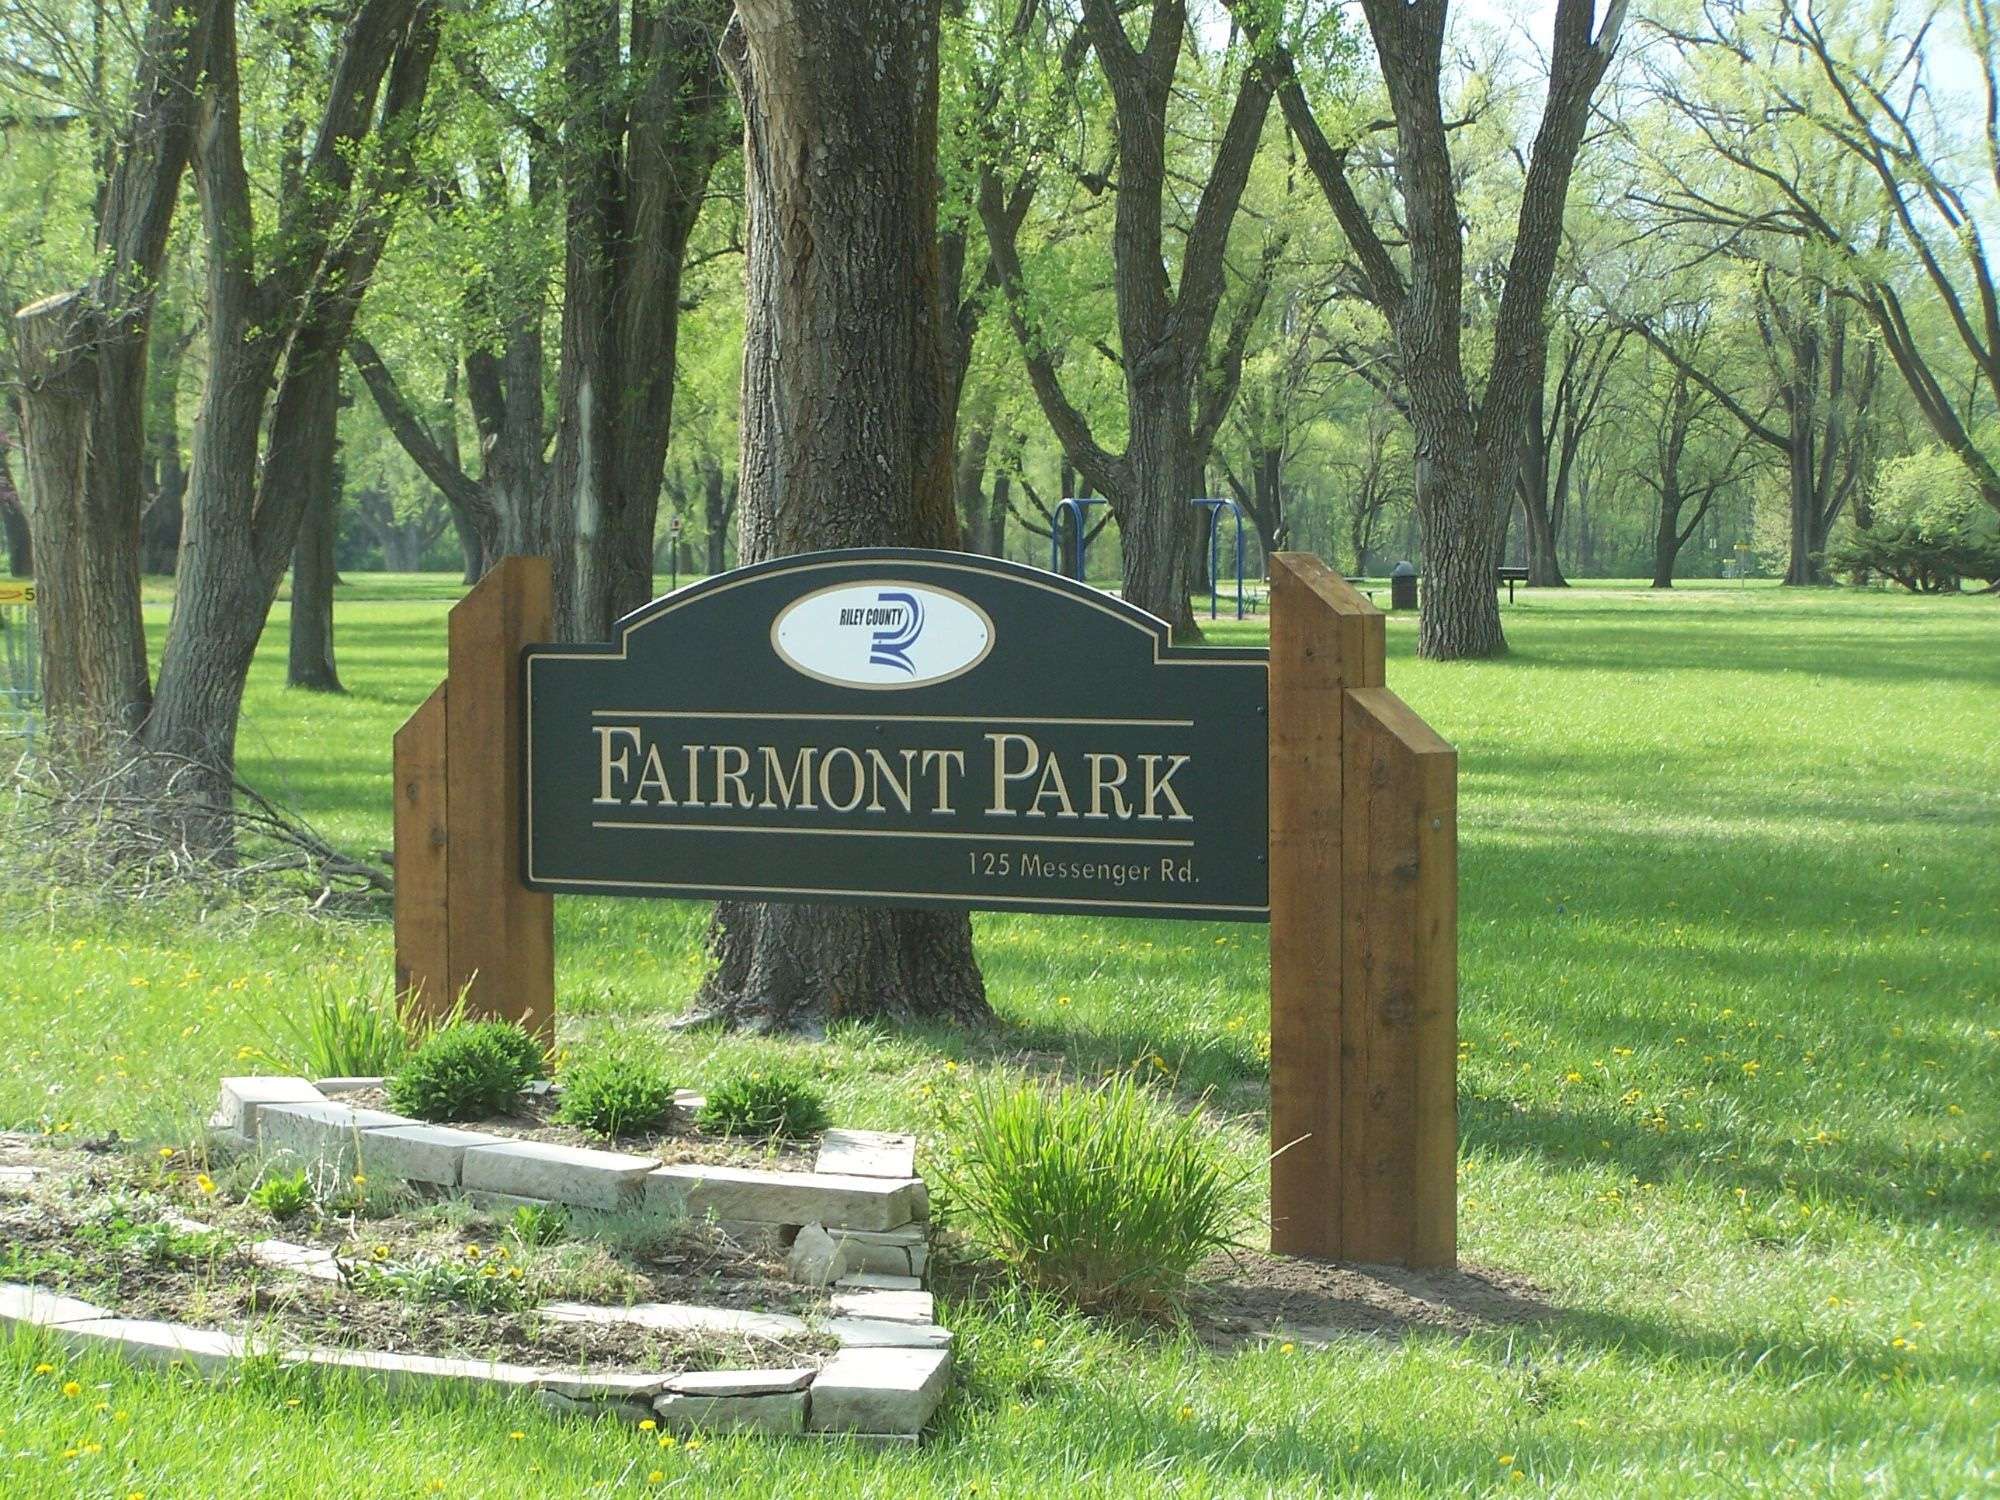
point(466, 1072)
point(612, 1095)
point(1106, 1196)
point(764, 1104)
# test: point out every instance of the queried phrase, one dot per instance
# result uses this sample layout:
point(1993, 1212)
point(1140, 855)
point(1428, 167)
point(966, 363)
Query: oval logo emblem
point(882, 634)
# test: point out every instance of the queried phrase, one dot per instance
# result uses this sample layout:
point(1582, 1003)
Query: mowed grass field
point(1730, 1097)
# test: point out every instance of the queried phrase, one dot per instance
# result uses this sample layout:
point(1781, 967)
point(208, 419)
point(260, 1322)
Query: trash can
point(1403, 586)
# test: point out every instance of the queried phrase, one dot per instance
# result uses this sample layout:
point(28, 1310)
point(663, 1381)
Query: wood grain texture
point(423, 953)
point(1325, 637)
point(502, 935)
point(1399, 1083)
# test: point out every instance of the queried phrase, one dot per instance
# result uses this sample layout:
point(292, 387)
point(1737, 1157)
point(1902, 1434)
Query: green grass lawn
point(1730, 997)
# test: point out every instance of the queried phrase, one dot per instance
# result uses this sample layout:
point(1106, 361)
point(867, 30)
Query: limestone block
point(141, 1341)
point(886, 1306)
point(677, 1317)
point(777, 1414)
point(243, 1097)
point(32, 1305)
point(867, 1153)
point(828, 1198)
point(738, 1382)
point(886, 1391)
point(817, 1257)
point(608, 1180)
point(421, 1153)
point(877, 1333)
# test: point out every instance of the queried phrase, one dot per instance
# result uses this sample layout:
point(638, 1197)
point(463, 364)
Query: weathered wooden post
point(465, 922)
point(1364, 957)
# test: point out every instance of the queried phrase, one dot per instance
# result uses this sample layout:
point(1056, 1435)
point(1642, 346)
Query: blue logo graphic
point(891, 644)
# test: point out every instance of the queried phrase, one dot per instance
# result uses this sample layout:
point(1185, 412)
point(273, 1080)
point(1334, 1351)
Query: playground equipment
point(1214, 508)
point(1075, 510)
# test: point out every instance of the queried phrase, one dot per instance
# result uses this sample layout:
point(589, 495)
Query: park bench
point(1510, 577)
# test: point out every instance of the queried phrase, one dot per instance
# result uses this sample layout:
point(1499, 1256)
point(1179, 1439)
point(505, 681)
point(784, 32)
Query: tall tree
point(1178, 385)
point(1773, 90)
point(843, 366)
point(645, 122)
point(1466, 444)
point(1561, 414)
point(83, 370)
point(280, 309)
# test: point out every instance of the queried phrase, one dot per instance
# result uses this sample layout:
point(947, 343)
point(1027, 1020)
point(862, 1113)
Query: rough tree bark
point(718, 510)
point(842, 370)
point(310, 659)
point(275, 340)
point(1465, 450)
point(14, 517)
point(644, 130)
point(83, 400)
point(1177, 390)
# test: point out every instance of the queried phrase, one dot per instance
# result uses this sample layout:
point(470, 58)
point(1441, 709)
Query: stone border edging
point(863, 1199)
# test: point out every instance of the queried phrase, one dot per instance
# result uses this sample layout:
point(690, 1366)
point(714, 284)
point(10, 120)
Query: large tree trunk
point(275, 343)
point(1460, 614)
point(83, 371)
point(83, 429)
point(1667, 537)
point(1160, 535)
point(842, 366)
point(637, 150)
point(14, 518)
point(310, 663)
point(718, 504)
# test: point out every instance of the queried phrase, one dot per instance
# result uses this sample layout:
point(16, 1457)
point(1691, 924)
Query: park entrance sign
point(936, 729)
point(901, 728)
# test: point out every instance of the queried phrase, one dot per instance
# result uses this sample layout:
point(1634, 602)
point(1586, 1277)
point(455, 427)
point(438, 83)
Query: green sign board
point(900, 728)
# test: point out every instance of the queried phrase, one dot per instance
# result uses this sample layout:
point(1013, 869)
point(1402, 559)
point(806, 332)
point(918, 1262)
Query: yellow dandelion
point(666, 1440)
point(73, 1390)
point(45, 1369)
point(380, 1252)
point(647, 1425)
point(516, 1435)
point(360, 1179)
point(1039, 1344)
point(1287, 1347)
point(656, 1476)
point(205, 1182)
point(1186, 1412)
point(472, 1252)
point(166, 1153)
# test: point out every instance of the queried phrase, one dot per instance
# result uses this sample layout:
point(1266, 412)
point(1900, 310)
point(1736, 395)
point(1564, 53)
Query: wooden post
point(1363, 940)
point(502, 935)
point(423, 947)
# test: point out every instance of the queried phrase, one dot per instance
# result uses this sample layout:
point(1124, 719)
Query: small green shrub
point(521, 1049)
point(467, 1071)
point(613, 1094)
point(535, 1225)
point(765, 1104)
point(484, 1284)
point(284, 1195)
point(1107, 1196)
point(331, 1032)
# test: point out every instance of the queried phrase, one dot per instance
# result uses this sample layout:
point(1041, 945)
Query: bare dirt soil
point(419, 1277)
point(1248, 1297)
